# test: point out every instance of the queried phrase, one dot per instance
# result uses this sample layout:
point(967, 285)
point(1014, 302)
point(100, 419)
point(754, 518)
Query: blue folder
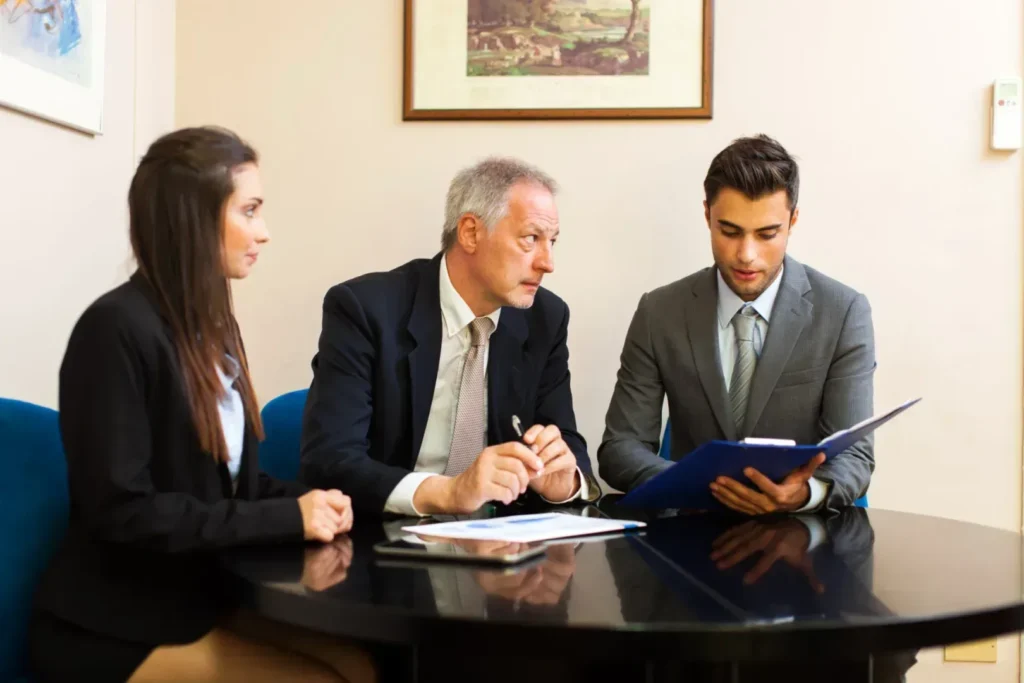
point(685, 485)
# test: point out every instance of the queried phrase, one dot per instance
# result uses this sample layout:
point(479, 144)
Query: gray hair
point(482, 190)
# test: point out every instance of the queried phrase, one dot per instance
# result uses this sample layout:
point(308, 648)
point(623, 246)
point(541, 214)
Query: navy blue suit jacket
point(376, 367)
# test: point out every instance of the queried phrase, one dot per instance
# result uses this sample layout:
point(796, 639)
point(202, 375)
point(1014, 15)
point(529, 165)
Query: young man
point(758, 345)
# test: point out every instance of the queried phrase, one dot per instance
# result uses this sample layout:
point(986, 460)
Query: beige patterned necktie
point(470, 435)
point(746, 361)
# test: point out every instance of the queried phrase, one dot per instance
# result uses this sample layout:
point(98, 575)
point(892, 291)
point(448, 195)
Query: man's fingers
point(565, 461)
point(745, 493)
point(496, 491)
point(731, 501)
point(514, 466)
point(508, 480)
point(552, 450)
point(532, 433)
point(547, 435)
point(815, 462)
point(806, 471)
point(762, 482)
point(514, 449)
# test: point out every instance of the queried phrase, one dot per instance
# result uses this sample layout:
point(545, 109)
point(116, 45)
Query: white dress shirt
point(729, 304)
point(456, 316)
point(232, 416)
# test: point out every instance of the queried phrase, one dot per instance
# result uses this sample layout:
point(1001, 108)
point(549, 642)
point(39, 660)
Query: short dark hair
point(756, 166)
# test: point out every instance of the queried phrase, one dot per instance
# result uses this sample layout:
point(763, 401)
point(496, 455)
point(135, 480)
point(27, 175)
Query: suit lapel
point(701, 327)
point(504, 363)
point(791, 313)
point(425, 329)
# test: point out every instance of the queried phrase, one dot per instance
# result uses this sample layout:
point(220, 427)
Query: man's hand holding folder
point(789, 495)
point(709, 477)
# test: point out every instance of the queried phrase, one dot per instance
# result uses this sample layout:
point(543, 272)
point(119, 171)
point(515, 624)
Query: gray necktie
point(746, 361)
point(470, 435)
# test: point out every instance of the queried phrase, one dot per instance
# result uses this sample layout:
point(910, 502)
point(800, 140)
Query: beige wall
point(63, 220)
point(885, 103)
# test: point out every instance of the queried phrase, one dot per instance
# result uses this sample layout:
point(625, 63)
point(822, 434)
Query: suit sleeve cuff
point(819, 489)
point(400, 499)
point(582, 491)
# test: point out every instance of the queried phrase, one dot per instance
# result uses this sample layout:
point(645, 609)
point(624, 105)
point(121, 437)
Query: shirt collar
point(455, 312)
point(228, 377)
point(729, 303)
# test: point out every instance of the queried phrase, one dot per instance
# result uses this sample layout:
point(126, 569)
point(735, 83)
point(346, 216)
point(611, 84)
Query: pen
point(518, 426)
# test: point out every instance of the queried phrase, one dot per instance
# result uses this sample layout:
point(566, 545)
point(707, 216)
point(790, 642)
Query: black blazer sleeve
point(269, 487)
point(554, 396)
point(110, 383)
point(339, 408)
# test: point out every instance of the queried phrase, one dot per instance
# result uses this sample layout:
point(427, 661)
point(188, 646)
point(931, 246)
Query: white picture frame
point(52, 55)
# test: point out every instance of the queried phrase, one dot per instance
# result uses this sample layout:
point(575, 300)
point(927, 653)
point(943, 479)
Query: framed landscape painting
point(51, 60)
point(536, 59)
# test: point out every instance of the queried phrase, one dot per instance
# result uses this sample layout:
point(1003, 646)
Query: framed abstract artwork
point(558, 59)
point(51, 60)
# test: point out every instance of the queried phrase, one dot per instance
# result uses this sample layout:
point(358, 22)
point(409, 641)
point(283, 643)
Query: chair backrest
point(282, 423)
point(34, 495)
point(665, 451)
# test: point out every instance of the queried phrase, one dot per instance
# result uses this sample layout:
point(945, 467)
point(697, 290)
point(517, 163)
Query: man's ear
point(468, 232)
point(795, 216)
point(707, 214)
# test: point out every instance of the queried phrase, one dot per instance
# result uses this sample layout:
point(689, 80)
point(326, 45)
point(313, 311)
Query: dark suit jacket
point(375, 371)
point(148, 506)
point(814, 377)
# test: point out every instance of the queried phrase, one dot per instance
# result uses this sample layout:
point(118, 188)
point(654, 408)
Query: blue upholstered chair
point(282, 422)
point(34, 496)
point(665, 451)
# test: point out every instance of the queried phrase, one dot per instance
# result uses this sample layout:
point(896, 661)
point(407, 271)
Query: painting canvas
point(558, 59)
point(51, 59)
point(573, 38)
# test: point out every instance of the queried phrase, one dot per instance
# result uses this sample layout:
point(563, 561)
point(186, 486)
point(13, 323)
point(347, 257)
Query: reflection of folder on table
point(686, 484)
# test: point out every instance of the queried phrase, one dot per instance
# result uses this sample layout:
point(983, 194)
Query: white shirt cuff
point(400, 500)
point(815, 529)
point(818, 491)
point(583, 491)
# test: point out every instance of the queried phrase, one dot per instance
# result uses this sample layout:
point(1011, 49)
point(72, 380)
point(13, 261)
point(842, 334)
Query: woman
point(160, 425)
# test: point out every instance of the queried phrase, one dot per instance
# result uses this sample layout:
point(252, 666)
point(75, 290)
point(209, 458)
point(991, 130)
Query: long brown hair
point(176, 204)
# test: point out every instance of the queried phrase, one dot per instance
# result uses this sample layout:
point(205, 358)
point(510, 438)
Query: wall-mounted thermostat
point(1006, 113)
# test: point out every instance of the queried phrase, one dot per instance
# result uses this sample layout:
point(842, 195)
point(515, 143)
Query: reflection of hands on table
point(542, 584)
point(326, 565)
point(784, 539)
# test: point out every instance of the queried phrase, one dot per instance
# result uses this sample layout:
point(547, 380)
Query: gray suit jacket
point(814, 377)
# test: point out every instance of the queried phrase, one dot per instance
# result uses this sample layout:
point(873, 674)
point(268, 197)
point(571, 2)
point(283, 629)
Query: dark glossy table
point(831, 594)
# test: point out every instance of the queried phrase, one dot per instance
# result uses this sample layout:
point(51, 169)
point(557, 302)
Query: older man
point(426, 374)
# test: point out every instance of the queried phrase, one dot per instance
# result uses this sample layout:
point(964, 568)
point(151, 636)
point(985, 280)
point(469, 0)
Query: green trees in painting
point(558, 37)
